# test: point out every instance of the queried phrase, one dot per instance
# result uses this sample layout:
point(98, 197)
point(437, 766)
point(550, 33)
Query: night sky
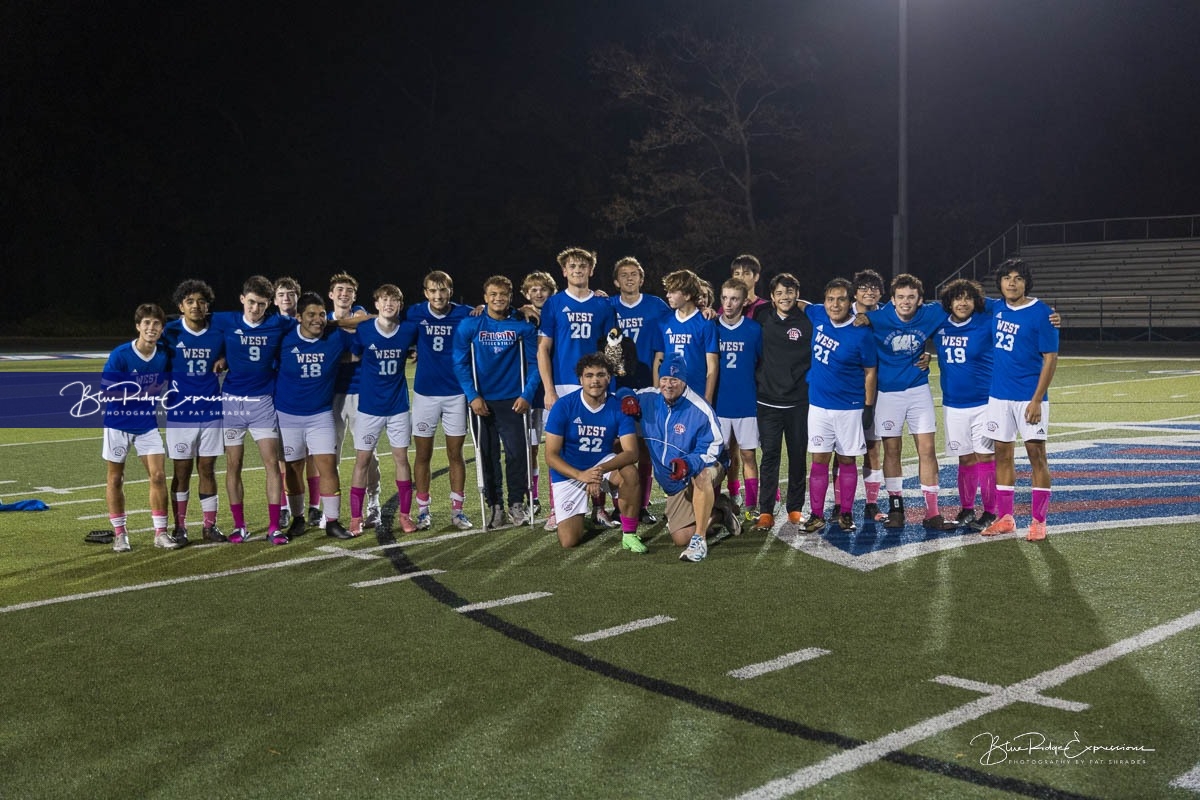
point(144, 143)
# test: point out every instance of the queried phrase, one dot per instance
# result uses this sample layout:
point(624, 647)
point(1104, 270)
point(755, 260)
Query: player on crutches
point(526, 430)
point(499, 382)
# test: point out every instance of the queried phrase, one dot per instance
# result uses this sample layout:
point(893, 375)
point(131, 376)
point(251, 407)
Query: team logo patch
point(181, 448)
point(371, 440)
point(954, 446)
point(818, 440)
point(120, 452)
point(422, 426)
point(287, 451)
point(888, 425)
point(230, 435)
point(793, 334)
point(992, 426)
point(679, 428)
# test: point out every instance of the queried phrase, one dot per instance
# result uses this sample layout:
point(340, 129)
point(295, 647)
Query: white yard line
point(870, 752)
point(636, 625)
point(1189, 780)
point(776, 664)
point(396, 578)
point(503, 601)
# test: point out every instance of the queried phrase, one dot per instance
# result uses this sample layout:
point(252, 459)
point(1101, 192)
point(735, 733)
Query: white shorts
point(836, 431)
point(368, 427)
point(311, 434)
point(450, 410)
point(743, 429)
point(966, 431)
point(253, 414)
point(1006, 419)
point(571, 497)
point(118, 443)
point(537, 426)
point(914, 406)
point(186, 442)
point(345, 415)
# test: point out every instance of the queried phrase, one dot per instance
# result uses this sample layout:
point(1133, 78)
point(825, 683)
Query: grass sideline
point(257, 671)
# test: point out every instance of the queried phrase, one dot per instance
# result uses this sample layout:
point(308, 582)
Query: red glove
point(630, 407)
point(679, 469)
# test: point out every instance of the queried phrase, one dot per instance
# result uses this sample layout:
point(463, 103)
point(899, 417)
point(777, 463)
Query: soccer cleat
point(356, 526)
point(316, 518)
point(983, 520)
point(212, 533)
point(750, 516)
point(732, 521)
point(846, 521)
point(334, 528)
point(796, 518)
point(965, 517)
point(765, 522)
point(296, 528)
point(696, 550)
point(632, 542)
point(285, 517)
point(166, 541)
point(406, 523)
point(179, 534)
point(461, 521)
point(814, 524)
point(895, 515)
point(121, 543)
point(1005, 524)
point(424, 520)
point(551, 523)
point(646, 517)
point(240, 535)
point(1037, 531)
point(602, 520)
point(372, 518)
point(279, 537)
point(871, 512)
point(497, 519)
point(937, 523)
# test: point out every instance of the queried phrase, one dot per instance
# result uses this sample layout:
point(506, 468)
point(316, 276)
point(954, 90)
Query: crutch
point(474, 420)
point(526, 426)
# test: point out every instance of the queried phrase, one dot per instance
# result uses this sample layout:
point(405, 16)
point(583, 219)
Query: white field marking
point(171, 582)
point(345, 551)
point(395, 578)
point(51, 441)
point(503, 601)
point(636, 625)
point(428, 540)
point(870, 752)
point(1189, 780)
point(991, 688)
point(868, 562)
point(775, 664)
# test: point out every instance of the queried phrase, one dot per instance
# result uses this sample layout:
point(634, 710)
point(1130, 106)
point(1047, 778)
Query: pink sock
point(734, 487)
point(628, 524)
point(986, 473)
point(968, 482)
point(118, 523)
point(181, 505)
point(1040, 504)
point(159, 520)
point(533, 487)
point(456, 502)
point(818, 487)
point(931, 500)
point(835, 469)
point(314, 490)
point(872, 483)
point(272, 516)
point(848, 481)
point(752, 493)
point(1004, 500)
point(357, 495)
point(239, 514)
point(404, 492)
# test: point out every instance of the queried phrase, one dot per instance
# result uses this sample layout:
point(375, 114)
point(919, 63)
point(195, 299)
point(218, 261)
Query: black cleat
point(846, 521)
point(212, 533)
point(814, 525)
point(895, 516)
point(871, 513)
point(334, 528)
point(647, 517)
point(937, 523)
point(965, 517)
point(983, 520)
point(297, 527)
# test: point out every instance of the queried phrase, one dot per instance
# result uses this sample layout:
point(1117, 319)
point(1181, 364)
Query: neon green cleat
point(631, 541)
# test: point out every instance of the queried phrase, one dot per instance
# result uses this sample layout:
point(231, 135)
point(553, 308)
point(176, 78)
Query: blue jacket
point(686, 429)
point(497, 374)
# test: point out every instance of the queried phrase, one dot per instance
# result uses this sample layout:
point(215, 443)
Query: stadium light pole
point(900, 220)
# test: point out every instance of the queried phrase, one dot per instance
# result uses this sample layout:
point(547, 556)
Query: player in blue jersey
point(437, 397)
point(687, 333)
point(194, 406)
point(901, 330)
point(737, 396)
point(537, 288)
point(868, 288)
point(641, 318)
point(582, 429)
point(495, 360)
point(841, 399)
point(308, 360)
point(685, 442)
point(252, 356)
point(131, 382)
point(1025, 355)
point(964, 351)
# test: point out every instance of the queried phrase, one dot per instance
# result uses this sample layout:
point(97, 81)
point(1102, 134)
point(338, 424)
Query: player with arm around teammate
point(581, 431)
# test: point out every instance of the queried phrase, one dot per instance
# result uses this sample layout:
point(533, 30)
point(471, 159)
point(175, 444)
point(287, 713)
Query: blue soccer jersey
point(901, 343)
point(588, 434)
point(435, 349)
point(840, 353)
point(965, 360)
point(194, 392)
point(577, 328)
point(643, 323)
point(694, 338)
point(251, 351)
point(741, 350)
point(131, 384)
point(308, 371)
point(1019, 337)
point(348, 381)
point(383, 387)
